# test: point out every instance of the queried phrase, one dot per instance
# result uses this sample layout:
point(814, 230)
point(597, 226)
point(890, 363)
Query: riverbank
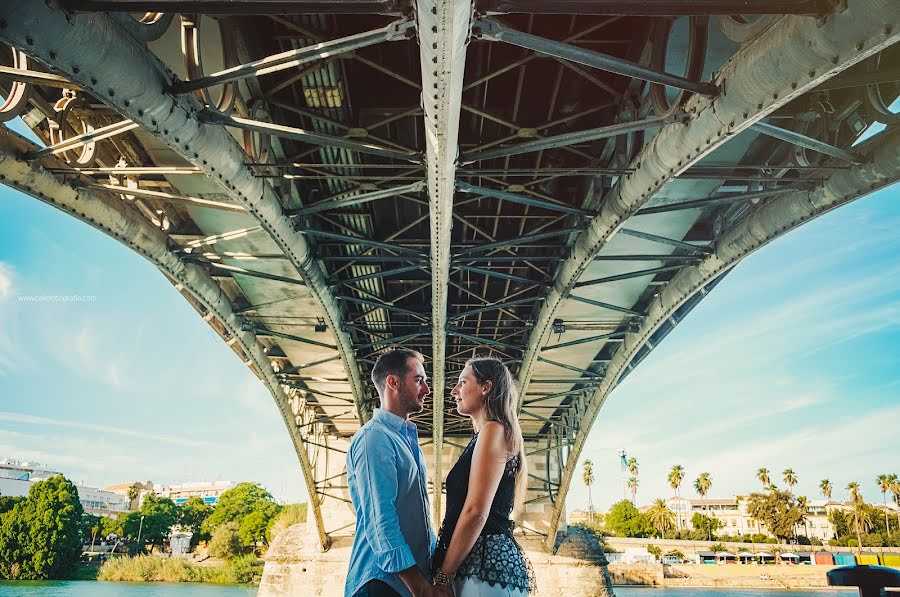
point(241, 570)
point(747, 576)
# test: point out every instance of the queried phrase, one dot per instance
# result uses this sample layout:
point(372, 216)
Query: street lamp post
point(140, 528)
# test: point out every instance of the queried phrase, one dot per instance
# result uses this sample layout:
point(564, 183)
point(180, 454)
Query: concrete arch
point(772, 220)
point(111, 217)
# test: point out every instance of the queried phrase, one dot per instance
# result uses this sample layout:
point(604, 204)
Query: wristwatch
point(443, 578)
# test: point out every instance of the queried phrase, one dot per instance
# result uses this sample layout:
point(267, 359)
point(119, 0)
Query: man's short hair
point(393, 362)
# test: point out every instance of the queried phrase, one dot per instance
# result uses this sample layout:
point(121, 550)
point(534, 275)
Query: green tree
point(191, 515)
point(289, 516)
point(778, 510)
point(884, 484)
point(160, 515)
point(676, 476)
point(895, 489)
point(7, 502)
point(826, 488)
point(705, 527)
point(858, 513)
point(701, 486)
point(226, 542)
point(40, 536)
point(763, 475)
point(633, 487)
point(661, 517)
point(238, 503)
point(790, 479)
point(587, 475)
point(627, 521)
point(632, 465)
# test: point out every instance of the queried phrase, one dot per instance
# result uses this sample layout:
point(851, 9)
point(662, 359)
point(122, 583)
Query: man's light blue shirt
point(387, 478)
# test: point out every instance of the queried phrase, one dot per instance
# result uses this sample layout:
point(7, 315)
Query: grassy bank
point(245, 569)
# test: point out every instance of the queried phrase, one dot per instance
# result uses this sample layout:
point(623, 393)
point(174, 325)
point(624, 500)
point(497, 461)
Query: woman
point(476, 552)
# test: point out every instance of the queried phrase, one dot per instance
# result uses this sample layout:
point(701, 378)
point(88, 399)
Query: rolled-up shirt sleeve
point(375, 467)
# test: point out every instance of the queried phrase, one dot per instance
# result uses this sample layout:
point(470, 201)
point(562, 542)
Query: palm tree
point(825, 487)
point(702, 485)
point(587, 475)
point(676, 476)
point(763, 476)
point(632, 465)
point(884, 484)
point(660, 516)
point(895, 489)
point(633, 487)
point(860, 515)
point(803, 505)
point(790, 478)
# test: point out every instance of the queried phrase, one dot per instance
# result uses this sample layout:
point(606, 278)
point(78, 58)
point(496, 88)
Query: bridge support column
point(296, 563)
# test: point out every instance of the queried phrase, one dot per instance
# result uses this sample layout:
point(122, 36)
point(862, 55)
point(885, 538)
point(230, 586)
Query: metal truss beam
point(520, 199)
point(638, 274)
point(115, 219)
point(801, 140)
point(661, 8)
point(602, 305)
point(378, 275)
point(357, 199)
point(611, 337)
point(494, 30)
point(252, 273)
point(780, 65)
point(503, 244)
point(298, 57)
point(172, 197)
point(880, 169)
point(110, 130)
point(358, 240)
point(444, 27)
point(723, 199)
point(498, 274)
point(494, 307)
point(249, 327)
point(124, 74)
point(245, 7)
point(566, 140)
point(298, 134)
point(663, 240)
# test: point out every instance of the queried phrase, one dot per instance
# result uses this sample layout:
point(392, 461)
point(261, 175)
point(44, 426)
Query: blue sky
point(791, 361)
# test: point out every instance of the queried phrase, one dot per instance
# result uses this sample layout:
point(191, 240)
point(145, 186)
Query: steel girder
point(124, 74)
point(444, 27)
point(768, 222)
point(113, 218)
point(789, 59)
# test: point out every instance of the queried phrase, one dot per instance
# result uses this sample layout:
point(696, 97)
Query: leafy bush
point(155, 569)
point(226, 542)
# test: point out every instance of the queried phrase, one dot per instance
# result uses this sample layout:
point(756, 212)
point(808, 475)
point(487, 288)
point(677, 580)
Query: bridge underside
point(555, 183)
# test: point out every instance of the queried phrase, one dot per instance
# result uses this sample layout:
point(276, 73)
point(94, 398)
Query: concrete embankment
point(734, 576)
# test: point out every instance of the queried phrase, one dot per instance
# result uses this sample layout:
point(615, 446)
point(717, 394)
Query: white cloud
point(6, 280)
point(176, 440)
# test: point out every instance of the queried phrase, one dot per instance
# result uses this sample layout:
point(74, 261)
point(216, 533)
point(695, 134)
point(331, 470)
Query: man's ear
point(392, 381)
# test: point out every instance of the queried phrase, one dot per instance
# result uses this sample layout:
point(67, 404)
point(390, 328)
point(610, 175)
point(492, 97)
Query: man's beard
point(410, 401)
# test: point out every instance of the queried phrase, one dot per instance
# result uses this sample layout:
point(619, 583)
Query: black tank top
point(495, 557)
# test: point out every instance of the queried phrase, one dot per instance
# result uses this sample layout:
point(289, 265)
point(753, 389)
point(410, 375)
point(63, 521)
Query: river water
point(87, 588)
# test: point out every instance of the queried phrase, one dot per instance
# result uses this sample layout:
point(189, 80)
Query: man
point(387, 479)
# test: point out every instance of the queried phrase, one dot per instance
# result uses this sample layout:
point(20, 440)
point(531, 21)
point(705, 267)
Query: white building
point(17, 477)
point(208, 491)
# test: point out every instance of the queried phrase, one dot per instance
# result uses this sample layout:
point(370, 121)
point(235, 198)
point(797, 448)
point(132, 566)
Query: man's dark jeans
point(376, 588)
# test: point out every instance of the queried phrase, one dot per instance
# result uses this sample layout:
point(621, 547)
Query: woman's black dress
point(495, 557)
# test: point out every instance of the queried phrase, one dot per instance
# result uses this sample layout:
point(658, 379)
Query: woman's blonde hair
point(501, 404)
